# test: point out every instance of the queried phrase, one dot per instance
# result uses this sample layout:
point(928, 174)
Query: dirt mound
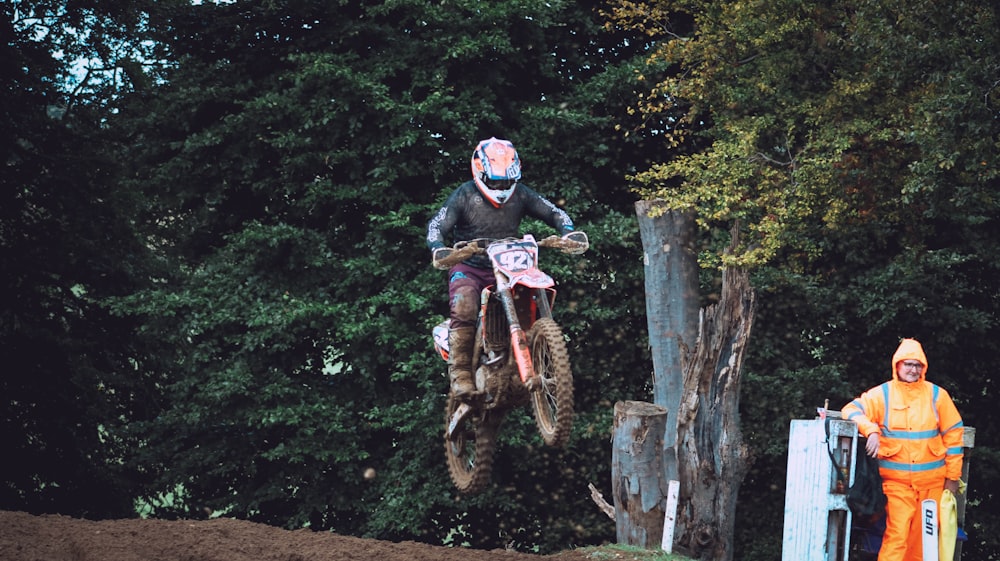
point(25, 537)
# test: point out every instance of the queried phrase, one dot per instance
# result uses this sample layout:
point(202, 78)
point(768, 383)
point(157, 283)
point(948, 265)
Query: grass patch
point(629, 553)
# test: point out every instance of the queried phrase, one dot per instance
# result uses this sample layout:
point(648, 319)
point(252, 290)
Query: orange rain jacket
point(920, 429)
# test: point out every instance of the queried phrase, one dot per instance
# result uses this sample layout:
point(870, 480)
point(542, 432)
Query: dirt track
point(25, 537)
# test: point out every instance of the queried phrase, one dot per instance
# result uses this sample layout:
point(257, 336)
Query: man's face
point(909, 370)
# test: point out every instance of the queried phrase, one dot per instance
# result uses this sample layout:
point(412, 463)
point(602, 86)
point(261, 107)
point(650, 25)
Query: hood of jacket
point(909, 349)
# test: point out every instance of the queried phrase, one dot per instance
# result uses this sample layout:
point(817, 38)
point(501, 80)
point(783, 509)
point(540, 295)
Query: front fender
point(533, 279)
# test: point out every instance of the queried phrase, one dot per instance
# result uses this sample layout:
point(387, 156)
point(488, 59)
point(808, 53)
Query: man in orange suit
point(914, 429)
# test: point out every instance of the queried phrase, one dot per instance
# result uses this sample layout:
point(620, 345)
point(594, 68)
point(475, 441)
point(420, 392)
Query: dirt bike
point(520, 355)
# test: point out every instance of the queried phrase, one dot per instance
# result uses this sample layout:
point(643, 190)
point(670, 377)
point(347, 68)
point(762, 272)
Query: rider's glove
point(440, 253)
point(579, 245)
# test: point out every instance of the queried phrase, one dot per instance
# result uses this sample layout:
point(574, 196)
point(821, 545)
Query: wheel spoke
point(552, 400)
point(469, 451)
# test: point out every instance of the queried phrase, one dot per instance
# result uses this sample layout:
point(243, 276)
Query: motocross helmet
point(496, 169)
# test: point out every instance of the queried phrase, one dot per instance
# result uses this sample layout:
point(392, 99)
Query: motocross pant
point(465, 283)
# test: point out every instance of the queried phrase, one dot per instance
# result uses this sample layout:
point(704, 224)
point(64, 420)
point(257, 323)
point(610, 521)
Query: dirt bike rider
point(491, 205)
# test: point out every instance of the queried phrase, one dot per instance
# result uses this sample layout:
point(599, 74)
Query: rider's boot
point(460, 346)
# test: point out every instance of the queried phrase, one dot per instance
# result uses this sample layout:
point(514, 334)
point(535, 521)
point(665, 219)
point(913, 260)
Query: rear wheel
point(469, 448)
point(552, 396)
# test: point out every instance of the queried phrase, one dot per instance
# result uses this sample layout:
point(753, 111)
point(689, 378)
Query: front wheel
point(469, 444)
point(552, 396)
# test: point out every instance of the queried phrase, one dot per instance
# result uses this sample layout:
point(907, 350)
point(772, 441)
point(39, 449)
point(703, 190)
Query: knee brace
point(464, 305)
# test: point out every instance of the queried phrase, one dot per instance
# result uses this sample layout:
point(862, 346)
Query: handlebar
point(464, 250)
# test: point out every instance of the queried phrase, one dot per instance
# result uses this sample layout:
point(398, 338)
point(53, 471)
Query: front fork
point(518, 339)
point(541, 307)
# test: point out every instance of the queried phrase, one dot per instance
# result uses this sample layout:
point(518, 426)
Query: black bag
point(865, 498)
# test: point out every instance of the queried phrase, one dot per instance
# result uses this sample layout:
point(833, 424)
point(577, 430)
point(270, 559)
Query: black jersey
point(468, 215)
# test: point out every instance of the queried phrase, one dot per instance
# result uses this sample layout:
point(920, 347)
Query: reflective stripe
point(885, 403)
point(915, 435)
point(953, 427)
point(899, 466)
point(955, 451)
point(934, 397)
point(855, 415)
point(859, 413)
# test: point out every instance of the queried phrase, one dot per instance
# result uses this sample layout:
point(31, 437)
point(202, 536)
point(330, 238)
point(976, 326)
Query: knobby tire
point(552, 399)
point(470, 449)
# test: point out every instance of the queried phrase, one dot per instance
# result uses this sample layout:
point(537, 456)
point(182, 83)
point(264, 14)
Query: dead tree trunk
point(698, 383)
point(671, 272)
point(712, 456)
point(637, 472)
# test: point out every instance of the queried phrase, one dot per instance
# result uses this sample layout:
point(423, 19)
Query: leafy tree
point(856, 143)
point(289, 163)
point(281, 161)
point(73, 373)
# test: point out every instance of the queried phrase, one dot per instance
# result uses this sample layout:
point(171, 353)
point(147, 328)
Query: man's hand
point(871, 446)
point(951, 485)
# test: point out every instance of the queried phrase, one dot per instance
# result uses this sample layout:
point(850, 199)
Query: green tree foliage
point(801, 103)
point(280, 161)
point(289, 163)
point(856, 144)
point(71, 370)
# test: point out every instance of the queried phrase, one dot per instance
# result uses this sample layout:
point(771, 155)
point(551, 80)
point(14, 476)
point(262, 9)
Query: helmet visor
point(502, 193)
point(499, 184)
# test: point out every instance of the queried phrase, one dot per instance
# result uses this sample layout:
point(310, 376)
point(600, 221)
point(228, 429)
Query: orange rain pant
point(902, 540)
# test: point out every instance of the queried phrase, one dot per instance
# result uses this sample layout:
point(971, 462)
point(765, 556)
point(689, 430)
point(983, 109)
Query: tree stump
point(637, 479)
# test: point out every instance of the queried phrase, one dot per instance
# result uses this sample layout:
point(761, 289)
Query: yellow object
point(948, 516)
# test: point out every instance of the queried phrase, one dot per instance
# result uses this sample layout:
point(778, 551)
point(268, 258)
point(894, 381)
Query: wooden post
point(968, 443)
point(637, 480)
